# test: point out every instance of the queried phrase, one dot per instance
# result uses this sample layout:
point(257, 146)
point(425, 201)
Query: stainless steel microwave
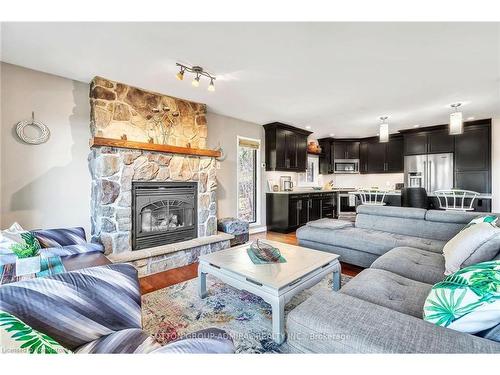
point(346, 166)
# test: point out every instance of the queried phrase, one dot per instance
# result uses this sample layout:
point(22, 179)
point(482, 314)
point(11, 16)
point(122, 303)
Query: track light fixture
point(198, 71)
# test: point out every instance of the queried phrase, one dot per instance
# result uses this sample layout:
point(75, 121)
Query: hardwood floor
point(167, 278)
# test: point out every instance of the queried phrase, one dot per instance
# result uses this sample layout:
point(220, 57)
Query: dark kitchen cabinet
point(286, 148)
point(376, 153)
point(363, 157)
point(439, 142)
point(394, 156)
point(415, 144)
point(315, 202)
point(346, 150)
point(376, 157)
point(473, 159)
point(298, 212)
point(287, 212)
point(428, 142)
point(472, 150)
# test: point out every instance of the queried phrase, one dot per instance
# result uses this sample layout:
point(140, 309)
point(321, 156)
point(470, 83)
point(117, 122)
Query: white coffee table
point(275, 283)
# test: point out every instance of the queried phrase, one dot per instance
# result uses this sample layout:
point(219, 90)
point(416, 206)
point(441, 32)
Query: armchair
point(97, 310)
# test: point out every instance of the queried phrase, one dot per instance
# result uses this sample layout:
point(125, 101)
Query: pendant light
point(456, 120)
point(384, 130)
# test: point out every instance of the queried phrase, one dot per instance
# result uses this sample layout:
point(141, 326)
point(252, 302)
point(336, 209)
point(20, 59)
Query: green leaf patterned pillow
point(491, 219)
point(468, 300)
point(17, 337)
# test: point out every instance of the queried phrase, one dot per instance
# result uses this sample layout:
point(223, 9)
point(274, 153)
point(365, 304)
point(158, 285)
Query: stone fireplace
point(163, 213)
point(154, 209)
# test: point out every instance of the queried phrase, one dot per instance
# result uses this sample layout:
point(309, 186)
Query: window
point(248, 178)
point(310, 177)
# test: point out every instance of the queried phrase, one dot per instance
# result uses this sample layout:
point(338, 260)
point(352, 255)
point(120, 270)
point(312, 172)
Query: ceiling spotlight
point(308, 127)
point(456, 120)
point(211, 86)
point(416, 126)
point(471, 118)
point(196, 81)
point(384, 130)
point(332, 135)
point(180, 75)
point(198, 71)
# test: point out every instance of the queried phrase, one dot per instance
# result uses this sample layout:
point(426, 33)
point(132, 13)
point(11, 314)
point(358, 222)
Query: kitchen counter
point(310, 191)
point(398, 192)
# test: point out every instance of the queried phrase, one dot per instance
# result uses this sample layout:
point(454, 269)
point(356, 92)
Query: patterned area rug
point(177, 310)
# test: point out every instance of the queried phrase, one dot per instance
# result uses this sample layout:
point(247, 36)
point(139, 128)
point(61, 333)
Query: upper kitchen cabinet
point(346, 149)
point(472, 149)
point(415, 143)
point(376, 157)
point(428, 142)
point(394, 156)
point(473, 158)
point(440, 142)
point(286, 148)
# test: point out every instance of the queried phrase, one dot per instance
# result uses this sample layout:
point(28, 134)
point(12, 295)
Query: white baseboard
point(257, 229)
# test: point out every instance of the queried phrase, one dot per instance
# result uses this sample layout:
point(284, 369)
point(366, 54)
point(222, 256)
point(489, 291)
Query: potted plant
point(28, 255)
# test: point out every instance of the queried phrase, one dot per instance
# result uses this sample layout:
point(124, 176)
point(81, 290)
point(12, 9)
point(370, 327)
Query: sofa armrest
point(207, 341)
point(330, 322)
point(77, 307)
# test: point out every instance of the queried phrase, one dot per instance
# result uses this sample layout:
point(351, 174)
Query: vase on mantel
point(26, 266)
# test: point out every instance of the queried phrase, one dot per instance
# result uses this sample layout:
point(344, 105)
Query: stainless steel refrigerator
point(432, 172)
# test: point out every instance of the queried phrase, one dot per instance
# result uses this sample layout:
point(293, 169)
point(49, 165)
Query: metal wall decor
point(41, 138)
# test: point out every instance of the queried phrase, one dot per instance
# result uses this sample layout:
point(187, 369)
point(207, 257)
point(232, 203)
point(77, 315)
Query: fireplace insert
point(163, 213)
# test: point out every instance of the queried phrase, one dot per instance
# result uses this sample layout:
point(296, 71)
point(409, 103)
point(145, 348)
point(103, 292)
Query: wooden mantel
point(120, 143)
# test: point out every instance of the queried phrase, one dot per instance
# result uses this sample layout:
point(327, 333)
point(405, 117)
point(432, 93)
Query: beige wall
point(48, 185)
point(224, 130)
point(495, 164)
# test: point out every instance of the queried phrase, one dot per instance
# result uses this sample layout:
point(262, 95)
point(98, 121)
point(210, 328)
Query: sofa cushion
point(467, 301)
point(453, 217)
point(60, 237)
point(400, 212)
point(17, 337)
point(476, 243)
point(326, 223)
point(77, 307)
point(415, 264)
point(387, 289)
point(366, 240)
point(127, 341)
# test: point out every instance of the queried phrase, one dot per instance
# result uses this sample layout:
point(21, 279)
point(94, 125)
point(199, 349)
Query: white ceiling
point(334, 77)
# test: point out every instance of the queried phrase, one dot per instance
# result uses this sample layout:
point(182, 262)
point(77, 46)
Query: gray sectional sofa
point(380, 310)
point(379, 229)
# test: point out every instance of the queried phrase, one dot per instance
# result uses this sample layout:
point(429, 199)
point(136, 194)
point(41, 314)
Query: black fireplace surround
point(163, 213)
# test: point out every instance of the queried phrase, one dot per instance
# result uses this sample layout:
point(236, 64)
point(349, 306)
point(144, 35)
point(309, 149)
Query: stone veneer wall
point(117, 109)
point(113, 171)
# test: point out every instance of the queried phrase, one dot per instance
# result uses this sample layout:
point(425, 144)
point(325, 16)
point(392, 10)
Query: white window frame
point(301, 177)
point(259, 179)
